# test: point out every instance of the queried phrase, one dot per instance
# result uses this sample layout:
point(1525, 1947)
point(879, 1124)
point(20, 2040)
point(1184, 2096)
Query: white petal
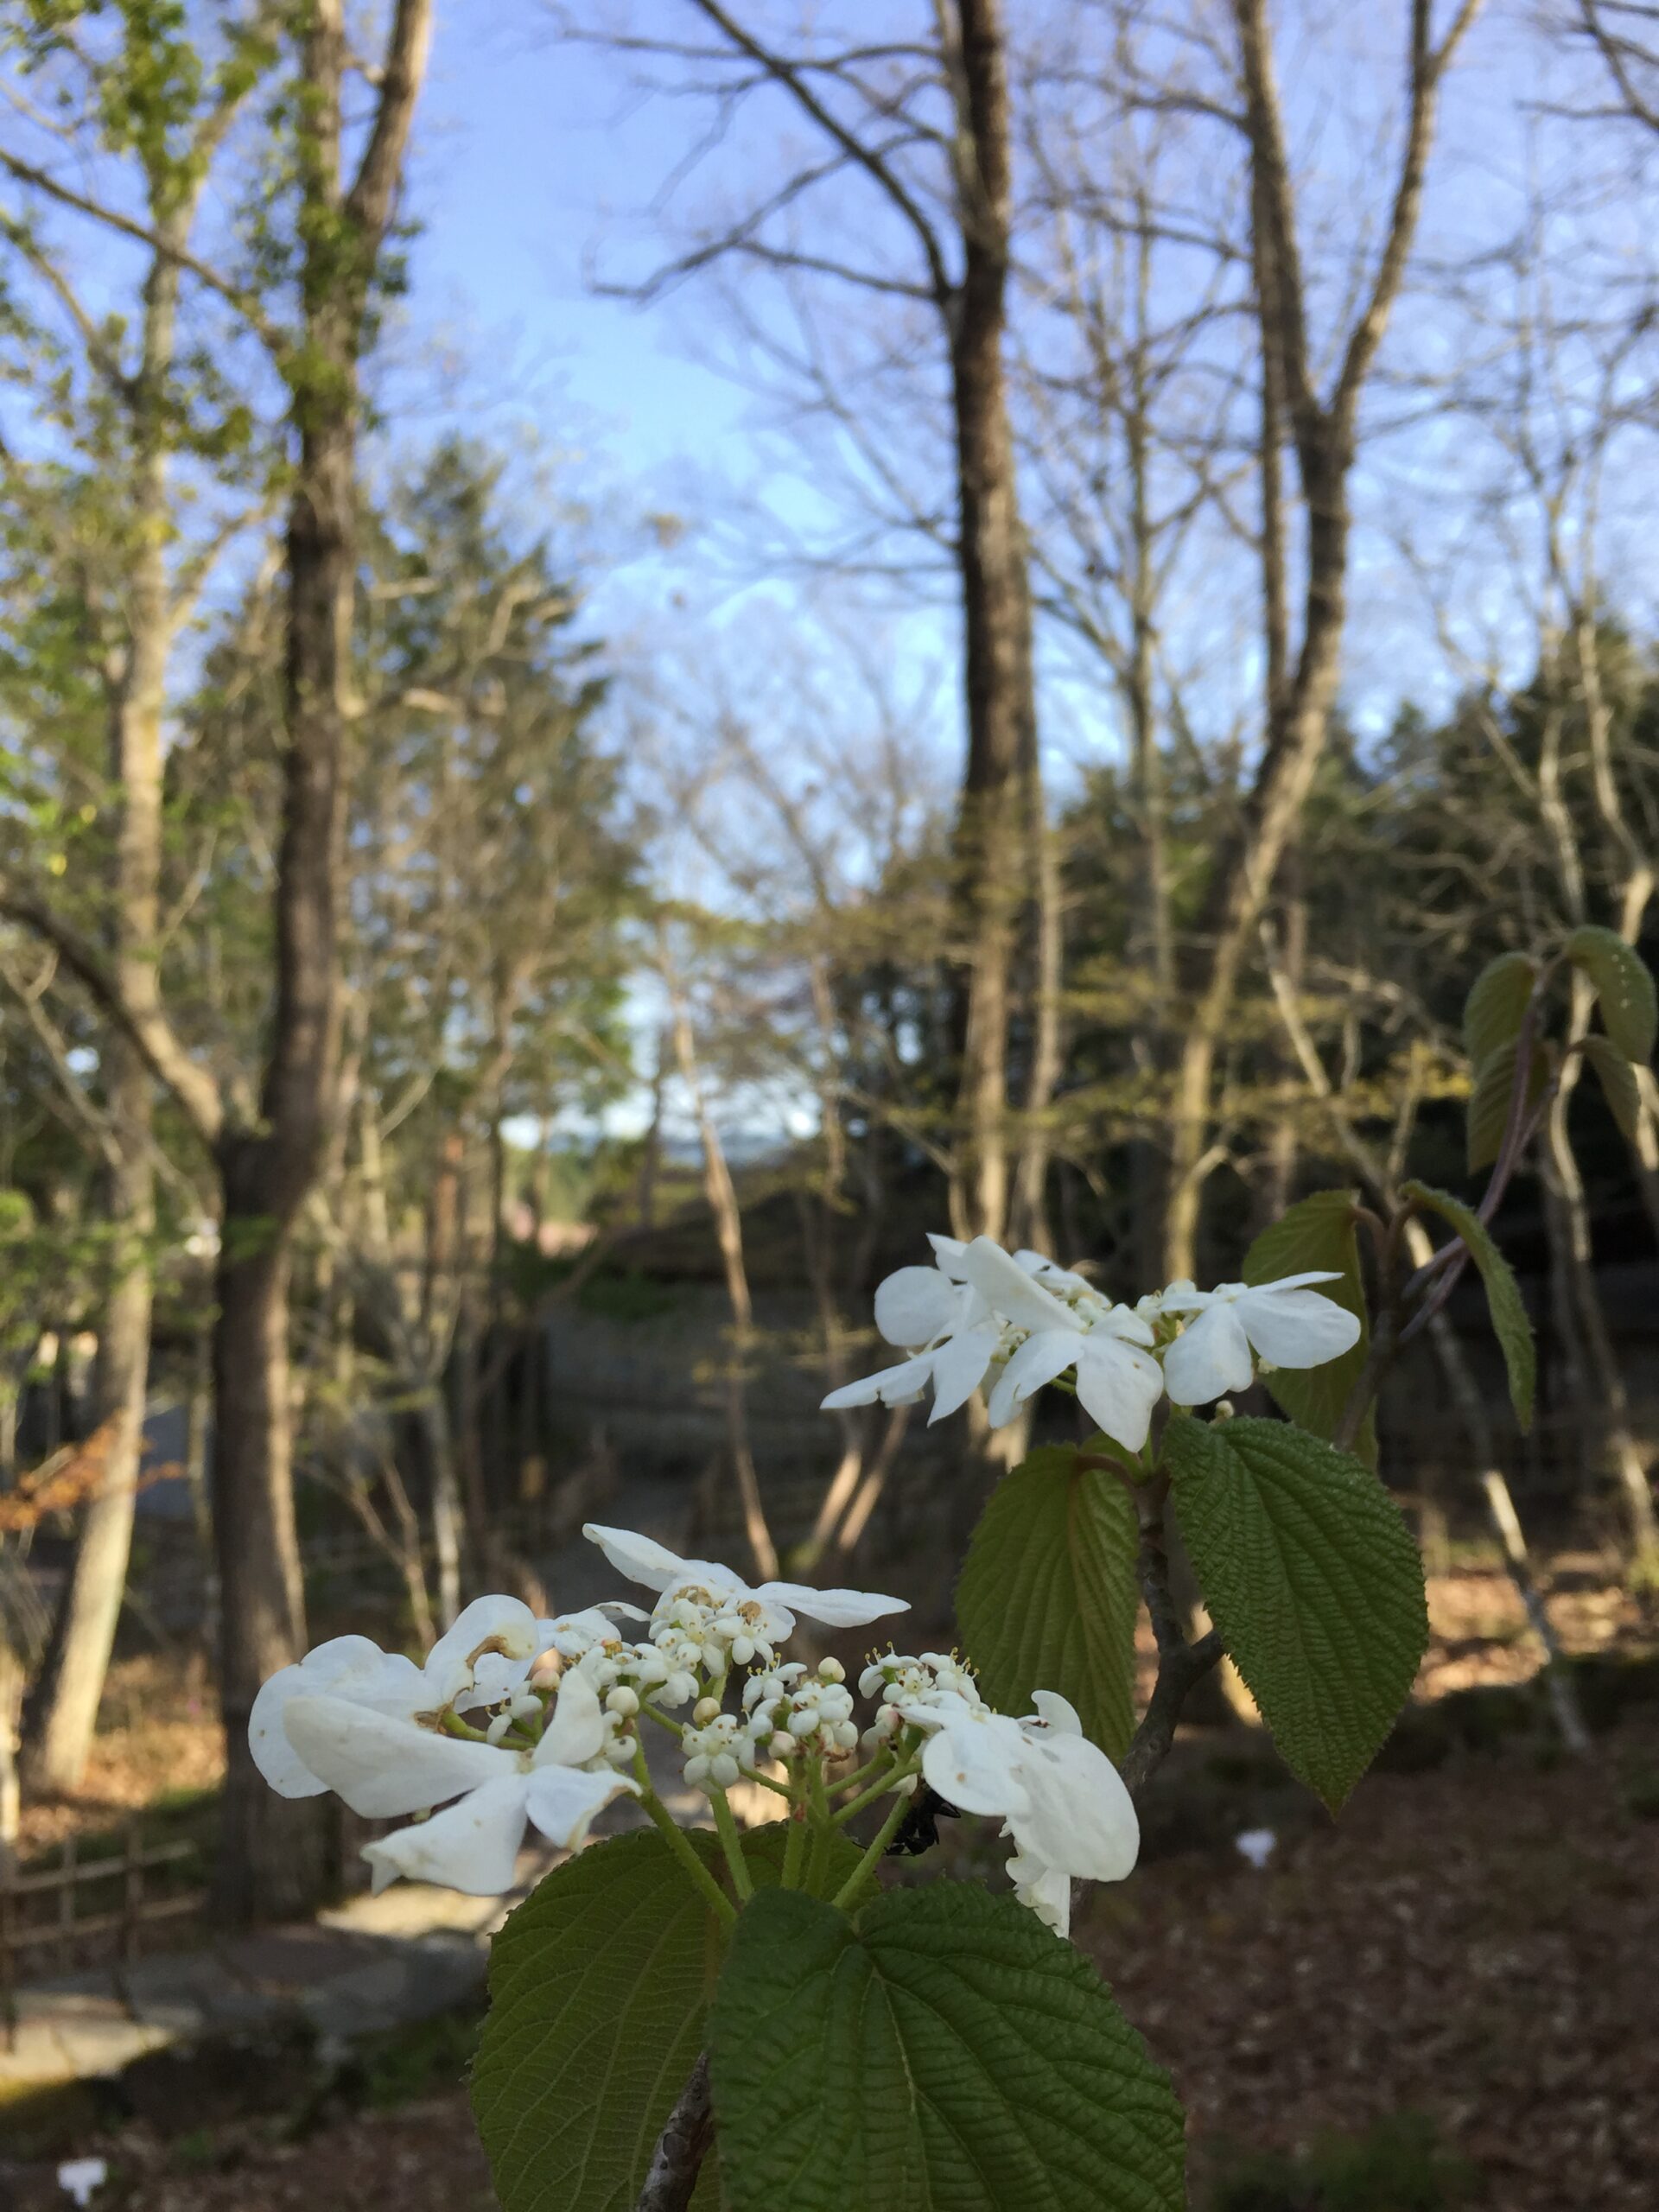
point(916, 1305)
point(637, 1557)
point(1080, 1817)
point(1297, 1328)
point(1009, 1290)
point(472, 1846)
point(1001, 1406)
point(893, 1386)
point(1211, 1357)
point(834, 1608)
point(1123, 1321)
point(502, 1625)
point(345, 1663)
point(959, 1368)
point(1038, 1361)
point(382, 1765)
point(1061, 1714)
point(562, 1801)
point(575, 1732)
point(1118, 1385)
point(972, 1761)
point(1046, 1891)
point(1290, 1282)
point(573, 1634)
point(947, 1255)
point(1182, 1298)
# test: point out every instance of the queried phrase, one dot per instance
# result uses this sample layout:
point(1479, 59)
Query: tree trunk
point(1002, 780)
point(68, 1711)
point(272, 1854)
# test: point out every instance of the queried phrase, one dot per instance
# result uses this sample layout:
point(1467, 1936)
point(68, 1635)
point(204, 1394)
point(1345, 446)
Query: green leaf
point(1504, 1300)
point(1489, 1101)
point(1321, 1231)
point(1619, 1085)
point(1048, 1594)
point(1312, 1576)
point(599, 1986)
point(1497, 1005)
point(1624, 986)
point(946, 2053)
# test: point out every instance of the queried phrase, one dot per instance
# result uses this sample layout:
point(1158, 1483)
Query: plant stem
point(732, 1844)
point(662, 1719)
point(874, 1854)
point(663, 1821)
point(794, 1848)
point(681, 2148)
point(877, 1788)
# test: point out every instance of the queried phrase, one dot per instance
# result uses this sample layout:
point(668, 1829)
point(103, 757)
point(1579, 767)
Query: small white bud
point(846, 1735)
point(783, 1745)
point(831, 1671)
point(624, 1702)
point(724, 1769)
point(498, 1727)
point(619, 1750)
point(704, 1711)
point(803, 1724)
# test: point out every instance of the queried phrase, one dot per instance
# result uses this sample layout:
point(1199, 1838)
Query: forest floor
point(1454, 1981)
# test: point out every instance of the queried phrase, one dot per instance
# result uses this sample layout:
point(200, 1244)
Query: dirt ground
point(1474, 1943)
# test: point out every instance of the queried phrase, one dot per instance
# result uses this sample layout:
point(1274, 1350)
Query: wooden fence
point(46, 1924)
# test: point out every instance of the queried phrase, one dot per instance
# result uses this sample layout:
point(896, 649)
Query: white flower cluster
point(980, 1309)
point(900, 1682)
point(789, 1710)
point(514, 1720)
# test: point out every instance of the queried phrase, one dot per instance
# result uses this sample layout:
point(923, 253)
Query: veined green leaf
point(1504, 1301)
point(1624, 986)
point(1048, 1594)
point(946, 2052)
point(1497, 1005)
point(1312, 1576)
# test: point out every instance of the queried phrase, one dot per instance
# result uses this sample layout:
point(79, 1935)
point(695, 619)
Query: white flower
point(950, 1330)
point(560, 1783)
point(486, 1656)
point(658, 1568)
point(1119, 1382)
point(1062, 1801)
point(1284, 1322)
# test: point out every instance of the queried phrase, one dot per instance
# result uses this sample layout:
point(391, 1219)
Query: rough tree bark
point(272, 1851)
point(66, 1710)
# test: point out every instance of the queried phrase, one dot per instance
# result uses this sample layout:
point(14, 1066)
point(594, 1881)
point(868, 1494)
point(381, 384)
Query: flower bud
point(783, 1745)
point(623, 1701)
point(498, 1727)
point(723, 1770)
point(831, 1671)
point(704, 1711)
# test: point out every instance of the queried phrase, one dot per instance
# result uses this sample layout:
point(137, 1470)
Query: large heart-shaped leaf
point(599, 1986)
point(1048, 1593)
point(945, 2053)
point(1311, 1574)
